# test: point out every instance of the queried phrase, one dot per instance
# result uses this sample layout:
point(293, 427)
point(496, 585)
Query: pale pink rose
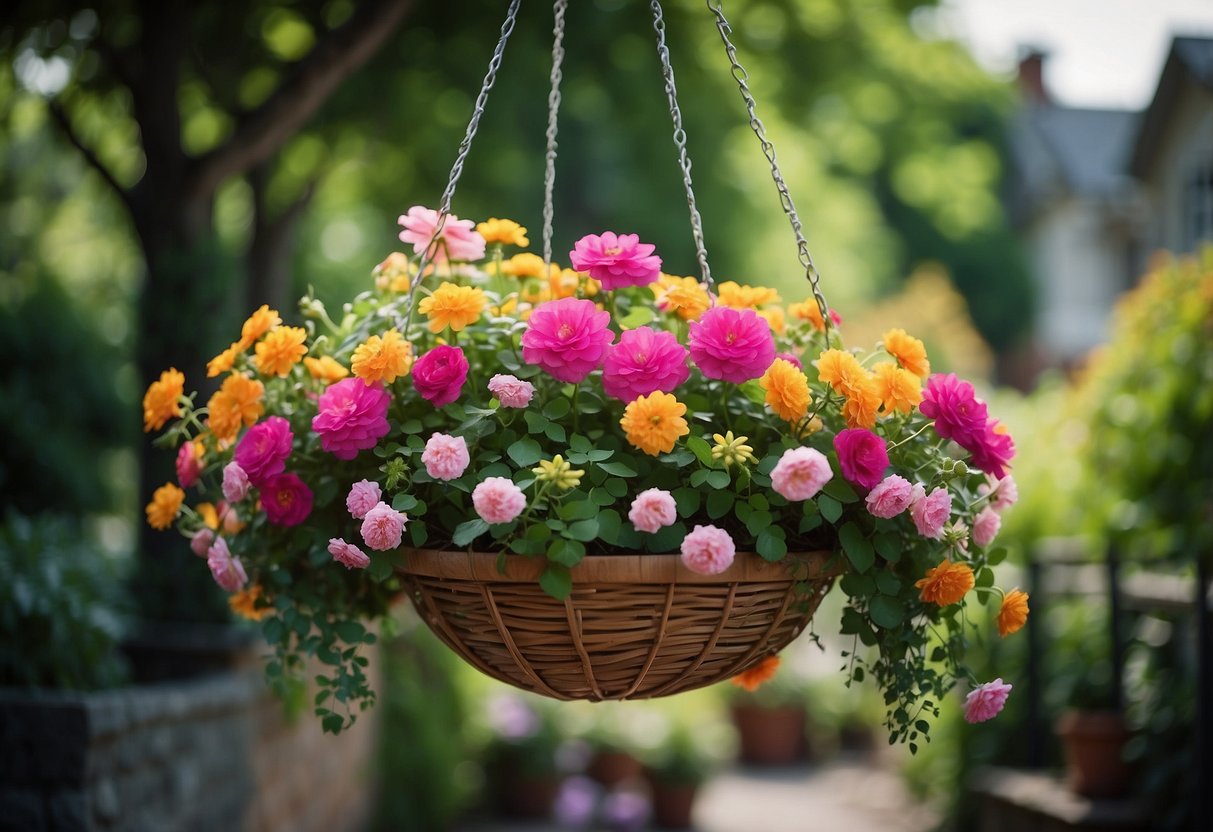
point(382, 527)
point(890, 497)
point(498, 500)
point(235, 482)
point(708, 550)
point(986, 701)
point(985, 526)
point(189, 466)
point(511, 391)
point(201, 542)
point(364, 495)
point(445, 457)
point(800, 473)
point(229, 520)
point(459, 238)
point(226, 569)
point(653, 509)
point(347, 554)
point(930, 513)
point(1003, 493)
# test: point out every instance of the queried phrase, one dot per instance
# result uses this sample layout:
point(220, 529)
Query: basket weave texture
point(634, 626)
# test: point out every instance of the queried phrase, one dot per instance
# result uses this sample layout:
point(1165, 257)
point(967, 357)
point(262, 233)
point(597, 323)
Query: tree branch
point(262, 131)
point(64, 122)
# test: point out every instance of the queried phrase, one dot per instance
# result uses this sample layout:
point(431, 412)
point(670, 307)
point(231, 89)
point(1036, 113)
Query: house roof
point(1189, 61)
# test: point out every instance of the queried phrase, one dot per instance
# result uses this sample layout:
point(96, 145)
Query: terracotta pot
point(610, 768)
point(1093, 742)
point(673, 804)
point(770, 736)
point(527, 796)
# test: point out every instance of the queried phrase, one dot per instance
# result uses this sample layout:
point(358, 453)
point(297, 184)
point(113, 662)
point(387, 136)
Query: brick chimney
point(1031, 76)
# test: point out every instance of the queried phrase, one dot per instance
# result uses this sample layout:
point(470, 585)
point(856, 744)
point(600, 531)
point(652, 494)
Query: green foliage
point(681, 759)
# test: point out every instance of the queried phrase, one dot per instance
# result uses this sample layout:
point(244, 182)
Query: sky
point(1102, 53)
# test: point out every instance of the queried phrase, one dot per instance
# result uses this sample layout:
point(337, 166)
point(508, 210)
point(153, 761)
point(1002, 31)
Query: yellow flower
point(236, 402)
point(653, 423)
point(535, 292)
point(325, 368)
point(861, 406)
point(808, 310)
point(452, 305)
point(787, 390)
point(244, 603)
point(209, 515)
point(506, 232)
point(732, 450)
point(682, 296)
point(899, 389)
point(774, 318)
point(280, 350)
point(383, 358)
point(558, 472)
point(224, 361)
point(843, 372)
point(839, 369)
point(164, 507)
point(395, 273)
point(946, 583)
point(731, 293)
point(527, 265)
point(509, 305)
point(259, 323)
point(1014, 612)
point(909, 352)
point(162, 402)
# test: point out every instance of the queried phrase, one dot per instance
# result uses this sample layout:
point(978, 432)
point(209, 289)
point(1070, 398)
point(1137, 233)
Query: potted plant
point(1093, 734)
point(675, 770)
point(521, 757)
point(768, 711)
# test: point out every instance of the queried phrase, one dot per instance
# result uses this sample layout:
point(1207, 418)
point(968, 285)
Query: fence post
point(1035, 730)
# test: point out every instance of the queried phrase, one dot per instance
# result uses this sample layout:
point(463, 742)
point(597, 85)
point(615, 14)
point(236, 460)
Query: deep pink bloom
point(800, 473)
point(986, 701)
point(1003, 493)
point(708, 550)
point(862, 456)
point(347, 554)
point(985, 526)
point(890, 497)
point(263, 449)
point(189, 466)
point(460, 239)
point(511, 391)
point(364, 495)
point(201, 542)
point(959, 415)
point(286, 499)
point(791, 359)
point(653, 509)
point(731, 344)
point(498, 500)
point(930, 512)
point(616, 260)
point(566, 338)
point(382, 527)
point(235, 483)
point(439, 374)
point(992, 451)
point(445, 457)
point(352, 417)
point(226, 569)
point(643, 361)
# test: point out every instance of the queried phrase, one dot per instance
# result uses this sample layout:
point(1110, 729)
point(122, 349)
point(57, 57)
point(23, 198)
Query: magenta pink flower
point(459, 238)
point(445, 457)
point(731, 344)
point(226, 569)
point(959, 415)
point(890, 497)
point(566, 338)
point(708, 550)
point(364, 495)
point(862, 456)
point(652, 510)
point(985, 526)
point(791, 359)
point(352, 417)
point(189, 466)
point(263, 449)
point(511, 391)
point(993, 450)
point(643, 361)
point(800, 473)
point(235, 483)
point(1003, 493)
point(286, 499)
point(498, 500)
point(201, 542)
point(616, 260)
point(930, 513)
point(382, 527)
point(348, 555)
point(439, 374)
point(986, 701)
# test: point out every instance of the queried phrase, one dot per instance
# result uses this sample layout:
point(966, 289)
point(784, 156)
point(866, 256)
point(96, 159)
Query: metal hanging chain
point(680, 142)
point(768, 149)
point(549, 173)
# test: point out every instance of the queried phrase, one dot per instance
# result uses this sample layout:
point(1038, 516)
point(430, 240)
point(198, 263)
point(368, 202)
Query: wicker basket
point(634, 626)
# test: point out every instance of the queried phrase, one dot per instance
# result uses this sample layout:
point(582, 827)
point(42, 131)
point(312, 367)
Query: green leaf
point(771, 544)
point(841, 491)
point(830, 508)
point(719, 504)
point(578, 510)
point(759, 502)
point(886, 612)
point(985, 577)
point(579, 444)
point(699, 477)
point(566, 552)
point(996, 556)
point(584, 530)
point(325, 491)
point(857, 547)
point(350, 632)
point(718, 479)
point(665, 540)
point(636, 317)
point(687, 500)
point(556, 581)
point(807, 524)
point(332, 723)
point(888, 583)
point(889, 547)
point(536, 422)
point(418, 532)
point(702, 450)
point(469, 530)
point(600, 496)
point(555, 432)
point(757, 521)
point(609, 524)
point(556, 408)
point(616, 487)
point(525, 452)
point(617, 469)
point(381, 567)
point(404, 502)
point(858, 586)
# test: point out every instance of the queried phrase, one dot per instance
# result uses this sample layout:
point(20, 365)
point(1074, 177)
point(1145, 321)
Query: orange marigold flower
point(757, 675)
point(731, 293)
point(237, 402)
point(452, 305)
point(209, 514)
point(244, 603)
point(224, 361)
point(527, 265)
point(653, 423)
point(774, 318)
point(325, 368)
point(838, 369)
point(1014, 612)
point(281, 349)
point(165, 506)
point(506, 232)
point(259, 323)
point(861, 406)
point(682, 296)
point(787, 390)
point(909, 352)
point(946, 584)
point(899, 389)
point(394, 273)
point(162, 401)
point(808, 310)
point(383, 358)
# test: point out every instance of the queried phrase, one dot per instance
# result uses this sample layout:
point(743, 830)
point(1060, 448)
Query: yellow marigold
point(787, 390)
point(325, 368)
point(506, 232)
point(244, 603)
point(946, 583)
point(259, 323)
point(843, 372)
point(758, 674)
point(509, 305)
point(281, 349)
point(731, 293)
point(534, 292)
point(808, 310)
point(527, 265)
point(909, 352)
point(775, 319)
point(839, 369)
point(164, 507)
point(236, 402)
point(1014, 612)
point(224, 361)
point(684, 297)
point(899, 389)
point(383, 358)
point(452, 305)
point(162, 401)
point(395, 273)
point(861, 406)
point(209, 514)
point(653, 423)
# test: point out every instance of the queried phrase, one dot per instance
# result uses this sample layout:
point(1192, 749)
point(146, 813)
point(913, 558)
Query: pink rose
point(993, 450)
point(511, 391)
point(930, 513)
point(347, 554)
point(708, 550)
point(364, 495)
point(352, 417)
point(201, 542)
point(445, 457)
point(229, 519)
point(382, 527)
point(263, 449)
point(890, 497)
point(227, 570)
point(962, 417)
point(439, 374)
point(861, 456)
point(189, 465)
point(986, 701)
point(235, 483)
point(653, 509)
point(616, 260)
point(731, 344)
point(459, 238)
point(643, 361)
point(566, 338)
point(985, 526)
point(287, 501)
point(1003, 493)
point(498, 500)
point(800, 473)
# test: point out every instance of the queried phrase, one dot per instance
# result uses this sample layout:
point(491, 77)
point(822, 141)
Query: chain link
point(549, 173)
point(768, 149)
